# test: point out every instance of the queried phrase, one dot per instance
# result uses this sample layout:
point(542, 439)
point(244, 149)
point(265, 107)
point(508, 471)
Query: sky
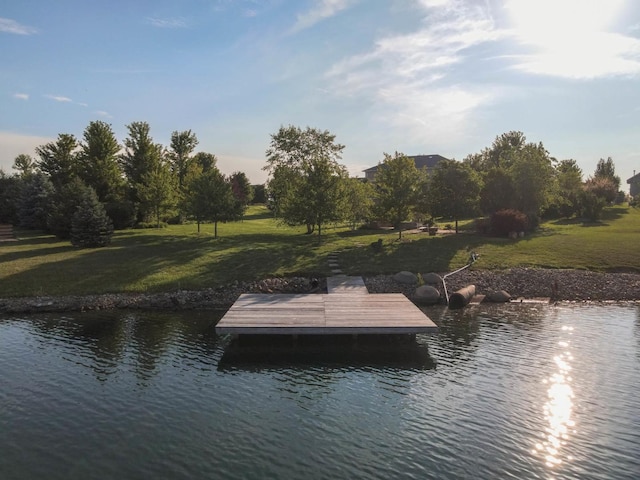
point(413, 76)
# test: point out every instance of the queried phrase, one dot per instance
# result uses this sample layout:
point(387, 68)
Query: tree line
point(515, 181)
point(96, 184)
point(140, 182)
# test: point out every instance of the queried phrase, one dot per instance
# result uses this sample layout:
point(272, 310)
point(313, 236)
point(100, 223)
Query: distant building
point(634, 183)
point(427, 162)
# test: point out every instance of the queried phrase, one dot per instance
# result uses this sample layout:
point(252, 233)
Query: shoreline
point(558, 285)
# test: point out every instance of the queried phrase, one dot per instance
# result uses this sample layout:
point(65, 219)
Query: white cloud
point(573, 39)
point(322, 10)
point(102, 113)
point(8, 25)
point(167, 22)
point(21, 96)
point(58, 98)
point(13, 144)
point(402, 77)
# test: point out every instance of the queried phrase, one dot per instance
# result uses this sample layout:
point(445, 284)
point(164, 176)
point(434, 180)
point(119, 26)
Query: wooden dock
point(346, 309)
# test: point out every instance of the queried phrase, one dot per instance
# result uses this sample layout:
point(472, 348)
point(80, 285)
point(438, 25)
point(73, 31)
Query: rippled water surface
point(517, 391)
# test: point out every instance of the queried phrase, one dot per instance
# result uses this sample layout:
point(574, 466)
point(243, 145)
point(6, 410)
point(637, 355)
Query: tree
point(34, 202)
point(24, 164)
point(98, 162)
point(569, 184)
point(454, 190)
point(397, 183)
point(242, 191)
point(206, 161)
point(606, 170)
point(259, 193)
point(358, 201)
point(182, 146)
point(209, 197)
point(515, 175)
point(63, 205)
point(59, 159)
point(90, 225)
point(305, 184)
point(141, 156)
point(10, 188)
point(157, 191)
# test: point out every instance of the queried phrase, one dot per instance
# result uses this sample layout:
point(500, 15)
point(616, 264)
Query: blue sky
point(415, 76)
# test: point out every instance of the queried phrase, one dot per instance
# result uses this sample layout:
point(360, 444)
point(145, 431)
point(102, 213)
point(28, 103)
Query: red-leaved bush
point(505, 221)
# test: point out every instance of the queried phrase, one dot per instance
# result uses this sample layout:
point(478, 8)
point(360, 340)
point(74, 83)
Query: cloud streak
point(321, 11)
point(21, 96)
point(403, 76)
point(59, 98)
point(167, 22)
point(7, 25)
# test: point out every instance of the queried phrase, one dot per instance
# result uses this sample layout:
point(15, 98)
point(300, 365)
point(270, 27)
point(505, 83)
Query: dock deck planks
point(347, 309)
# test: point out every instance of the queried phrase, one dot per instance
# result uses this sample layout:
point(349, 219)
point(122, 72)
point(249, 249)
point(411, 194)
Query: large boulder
point(426, 295)
point(499, 296)
point(432, 279)
point(406, 278)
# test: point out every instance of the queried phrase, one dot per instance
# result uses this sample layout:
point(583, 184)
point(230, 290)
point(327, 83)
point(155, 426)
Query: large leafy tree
point(358, 201)
point(305, 176)
point(607, 169)
point(516, 174)
point(157, 192)
point(397, 187)
point(454, 190)
point(182, 146)
point(569, 184)
point(59, 159)
point(98, 162)
point(209, 197)
point(242, 191)
point(140, 158)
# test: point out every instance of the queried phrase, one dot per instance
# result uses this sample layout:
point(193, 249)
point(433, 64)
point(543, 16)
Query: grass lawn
point(178, 257)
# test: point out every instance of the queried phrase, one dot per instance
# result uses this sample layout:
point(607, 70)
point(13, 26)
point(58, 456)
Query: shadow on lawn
point(167, 263)
point(426, 254)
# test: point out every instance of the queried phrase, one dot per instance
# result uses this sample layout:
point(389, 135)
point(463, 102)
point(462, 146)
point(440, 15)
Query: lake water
point(515, 391)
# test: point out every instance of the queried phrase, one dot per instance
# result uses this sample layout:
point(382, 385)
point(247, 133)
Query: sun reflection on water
point(558, 408)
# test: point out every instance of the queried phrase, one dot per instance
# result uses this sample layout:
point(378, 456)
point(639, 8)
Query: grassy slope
point(179, 258)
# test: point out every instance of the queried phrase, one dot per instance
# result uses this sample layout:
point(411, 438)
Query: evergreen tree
point(34, 202)
point(98, 162)
point(90, 225)
point(59, 159)
point(63, 205)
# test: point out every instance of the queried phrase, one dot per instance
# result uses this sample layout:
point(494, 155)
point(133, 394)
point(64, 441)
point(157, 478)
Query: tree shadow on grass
point(427, 254)
point(153, 263)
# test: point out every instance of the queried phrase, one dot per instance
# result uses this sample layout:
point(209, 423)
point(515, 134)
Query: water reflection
point(559, 406)
point(326, 352)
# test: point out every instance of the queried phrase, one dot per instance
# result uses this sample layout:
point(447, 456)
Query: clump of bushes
point(505, 221)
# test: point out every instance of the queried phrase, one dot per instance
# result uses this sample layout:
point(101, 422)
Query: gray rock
point(498, 296)
point(406, 278)
point(432, 279)
point(426, 295)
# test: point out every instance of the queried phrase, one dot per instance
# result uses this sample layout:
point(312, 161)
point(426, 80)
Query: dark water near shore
point(527, 391)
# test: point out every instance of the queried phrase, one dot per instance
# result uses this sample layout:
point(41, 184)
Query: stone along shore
point(560, 285)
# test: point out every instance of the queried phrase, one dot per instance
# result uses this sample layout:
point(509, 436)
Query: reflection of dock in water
point(257, 352)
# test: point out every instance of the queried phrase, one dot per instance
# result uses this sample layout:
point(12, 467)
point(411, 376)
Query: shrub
point(122, 213)
point(90, 226)
point(505, 221)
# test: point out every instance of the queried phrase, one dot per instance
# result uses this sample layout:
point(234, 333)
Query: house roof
point(421, 161)
point(634, 179)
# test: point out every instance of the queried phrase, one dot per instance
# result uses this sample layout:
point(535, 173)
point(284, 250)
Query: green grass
point(178, 257)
